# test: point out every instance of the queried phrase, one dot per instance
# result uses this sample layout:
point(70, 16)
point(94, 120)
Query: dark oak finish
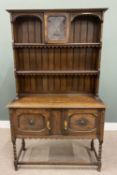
point(57, 68)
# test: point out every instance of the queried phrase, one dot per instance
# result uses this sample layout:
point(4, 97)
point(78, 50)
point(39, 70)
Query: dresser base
point(58, 117)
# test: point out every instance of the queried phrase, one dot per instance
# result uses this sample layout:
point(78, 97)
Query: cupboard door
point(56, 27)
point(81, 122)
point(32, 122)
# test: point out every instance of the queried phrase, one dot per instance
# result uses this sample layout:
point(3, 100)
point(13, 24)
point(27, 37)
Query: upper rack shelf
point(93, 72)
point(39, 45)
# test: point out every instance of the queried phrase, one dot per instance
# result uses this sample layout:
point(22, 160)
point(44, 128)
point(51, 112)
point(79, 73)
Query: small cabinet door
point(56, 27)
point(80, 122)
point(31, 122)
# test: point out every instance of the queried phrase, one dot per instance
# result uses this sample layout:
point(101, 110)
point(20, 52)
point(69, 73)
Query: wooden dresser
point(57, 66)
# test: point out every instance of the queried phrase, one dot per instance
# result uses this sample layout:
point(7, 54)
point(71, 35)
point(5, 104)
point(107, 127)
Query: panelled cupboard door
point(81, 122)
point(31, 122)
point(56, 27)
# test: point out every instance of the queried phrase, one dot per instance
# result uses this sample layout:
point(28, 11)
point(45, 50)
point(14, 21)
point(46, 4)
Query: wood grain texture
point(58, 101)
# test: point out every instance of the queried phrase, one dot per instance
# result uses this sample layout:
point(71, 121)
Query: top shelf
point(58, 10)
point(38, 45)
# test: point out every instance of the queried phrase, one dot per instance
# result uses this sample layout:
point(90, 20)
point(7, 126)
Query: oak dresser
point(57, 66)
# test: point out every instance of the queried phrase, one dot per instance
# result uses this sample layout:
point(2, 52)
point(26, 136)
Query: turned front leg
point(100, 156)
point(15, 154)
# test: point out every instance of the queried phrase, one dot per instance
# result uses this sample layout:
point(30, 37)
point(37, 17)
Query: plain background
point(108, 76)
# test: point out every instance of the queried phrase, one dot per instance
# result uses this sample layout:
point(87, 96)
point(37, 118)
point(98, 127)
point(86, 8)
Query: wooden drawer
point(31, 122)
point(83, 122)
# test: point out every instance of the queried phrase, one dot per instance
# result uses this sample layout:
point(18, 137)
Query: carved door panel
point(78, 122)
point(31, 122)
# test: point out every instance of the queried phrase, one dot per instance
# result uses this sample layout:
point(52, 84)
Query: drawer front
point(31, 122)
point(80, 122)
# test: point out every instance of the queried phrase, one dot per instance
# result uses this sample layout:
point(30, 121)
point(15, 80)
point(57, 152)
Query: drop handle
point(48, 125)
point(65, 125)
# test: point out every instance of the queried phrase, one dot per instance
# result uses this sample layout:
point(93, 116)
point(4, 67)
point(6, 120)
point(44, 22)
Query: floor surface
point(62, 150)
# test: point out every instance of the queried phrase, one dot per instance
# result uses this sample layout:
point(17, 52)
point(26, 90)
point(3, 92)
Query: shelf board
point(58, 10)
point(60, 72)
point(41, 45)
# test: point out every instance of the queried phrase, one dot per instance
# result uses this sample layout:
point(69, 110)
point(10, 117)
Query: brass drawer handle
point(48, 125)
point(65, 125)
point(31, 122)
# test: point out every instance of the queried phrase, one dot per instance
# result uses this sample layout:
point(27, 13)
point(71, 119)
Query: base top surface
point(58, 101)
